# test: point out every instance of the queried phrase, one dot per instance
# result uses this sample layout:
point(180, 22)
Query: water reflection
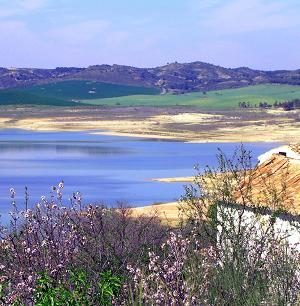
point(17, 148)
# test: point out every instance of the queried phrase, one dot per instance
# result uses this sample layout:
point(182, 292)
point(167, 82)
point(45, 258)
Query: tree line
point(286, 105)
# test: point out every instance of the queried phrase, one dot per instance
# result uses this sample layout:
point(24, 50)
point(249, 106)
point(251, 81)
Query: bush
point(50, 249)
point(93, 255)
point(76, 290)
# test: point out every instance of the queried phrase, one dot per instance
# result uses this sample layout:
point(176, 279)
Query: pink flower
point(12, 192)
point(61, 185)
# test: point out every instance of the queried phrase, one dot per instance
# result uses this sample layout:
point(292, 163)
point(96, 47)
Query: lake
point(103, 168)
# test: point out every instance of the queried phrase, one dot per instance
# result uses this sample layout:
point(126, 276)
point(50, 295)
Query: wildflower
point(12, 192)
point(27, 250)
point(59, 194)
point(21, 285)
point(61, 185)
point(78, 196)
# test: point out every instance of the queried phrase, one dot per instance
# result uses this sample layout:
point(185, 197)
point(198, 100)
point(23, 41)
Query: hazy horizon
point(150, 67)
point(261, 34)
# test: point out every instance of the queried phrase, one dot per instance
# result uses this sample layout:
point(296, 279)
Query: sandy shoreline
point(183, 179)
point(168, 213)
point(160, 123)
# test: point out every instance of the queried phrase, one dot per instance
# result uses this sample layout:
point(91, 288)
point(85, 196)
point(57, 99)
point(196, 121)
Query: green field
point(220, 99)
point(80, 90)
point(16, 97)
point(77, 93)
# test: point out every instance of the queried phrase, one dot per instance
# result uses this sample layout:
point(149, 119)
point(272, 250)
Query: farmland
point(211, 100)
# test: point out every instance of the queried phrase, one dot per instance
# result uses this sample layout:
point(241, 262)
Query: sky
point(260, 34)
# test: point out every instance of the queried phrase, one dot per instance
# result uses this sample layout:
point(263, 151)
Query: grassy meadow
point(219, 99)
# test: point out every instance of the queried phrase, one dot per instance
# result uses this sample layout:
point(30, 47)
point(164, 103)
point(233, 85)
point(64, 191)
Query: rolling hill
point(14, 97)
point(80, 90)
point(69, 93)
point(171, 78)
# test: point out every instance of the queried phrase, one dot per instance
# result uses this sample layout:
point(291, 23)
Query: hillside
point(173, 78)
point(80, 90)
point(14, 97)
point(218, 99)
point(69, 93)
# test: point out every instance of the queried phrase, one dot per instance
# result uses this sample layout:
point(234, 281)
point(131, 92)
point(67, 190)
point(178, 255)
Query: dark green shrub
point(76, 290)
point(109, 287)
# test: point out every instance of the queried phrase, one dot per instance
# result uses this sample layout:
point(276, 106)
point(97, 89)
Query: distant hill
point(172, 78)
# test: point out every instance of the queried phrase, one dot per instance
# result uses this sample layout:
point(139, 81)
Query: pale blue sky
point(262, 34)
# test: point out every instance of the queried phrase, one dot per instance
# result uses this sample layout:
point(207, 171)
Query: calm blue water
point(102, 168)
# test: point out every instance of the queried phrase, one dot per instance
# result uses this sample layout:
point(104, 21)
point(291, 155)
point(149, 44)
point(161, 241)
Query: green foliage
point(212, 215)
point(230, 282)
point(109, 286)
point(81, 286)
point(47, 292)
point(77, 290)
point(3, 286)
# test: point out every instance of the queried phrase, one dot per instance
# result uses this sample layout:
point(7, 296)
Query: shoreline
point(177, 124)
point(183, 179)
point(290, 134)
point(154, 136)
